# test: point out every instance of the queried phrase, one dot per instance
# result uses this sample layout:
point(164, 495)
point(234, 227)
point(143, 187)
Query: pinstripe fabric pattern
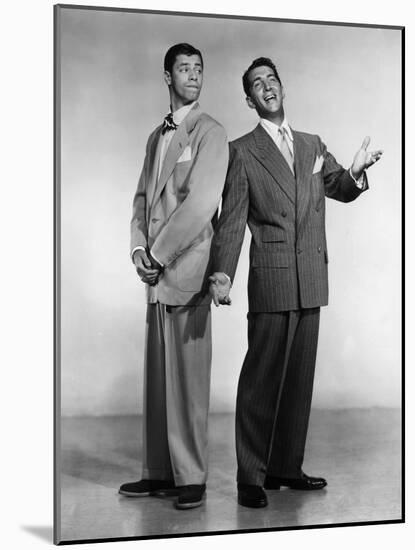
point(287, 284)
point(286, 453)
point(274, 394)
point(286, 217)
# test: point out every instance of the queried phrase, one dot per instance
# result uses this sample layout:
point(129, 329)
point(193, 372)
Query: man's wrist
point(358, 178)
point(136, 249)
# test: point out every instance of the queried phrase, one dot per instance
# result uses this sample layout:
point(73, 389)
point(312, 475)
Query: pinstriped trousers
point(274, 394)
point(176, 393)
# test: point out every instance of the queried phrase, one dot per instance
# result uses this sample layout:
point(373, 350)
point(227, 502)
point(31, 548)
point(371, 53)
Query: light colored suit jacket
point(172, 214)
point(286, 216)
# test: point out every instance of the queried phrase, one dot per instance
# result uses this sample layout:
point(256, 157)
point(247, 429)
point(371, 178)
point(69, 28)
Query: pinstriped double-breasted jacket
point(286, 217)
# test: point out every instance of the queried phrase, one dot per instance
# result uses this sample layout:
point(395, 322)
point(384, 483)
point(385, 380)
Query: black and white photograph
point(242, 166)
point(228, 225)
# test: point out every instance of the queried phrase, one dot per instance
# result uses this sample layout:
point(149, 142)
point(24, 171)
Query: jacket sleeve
point(338, 183)
point(230, 230)
point(206, 182)
point(138, 224)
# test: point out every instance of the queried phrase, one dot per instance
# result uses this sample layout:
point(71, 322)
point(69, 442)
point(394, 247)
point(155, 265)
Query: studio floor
point(358, 451)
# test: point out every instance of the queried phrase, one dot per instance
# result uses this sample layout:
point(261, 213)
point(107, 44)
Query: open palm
point(364, 158)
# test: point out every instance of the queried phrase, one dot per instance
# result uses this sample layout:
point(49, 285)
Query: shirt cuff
point(359, 182)
point(134, 250)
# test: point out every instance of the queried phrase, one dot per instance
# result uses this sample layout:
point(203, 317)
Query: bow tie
point(168, 124)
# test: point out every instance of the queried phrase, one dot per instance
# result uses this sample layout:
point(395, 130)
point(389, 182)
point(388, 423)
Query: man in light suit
point(277, 182)
point(171, 230)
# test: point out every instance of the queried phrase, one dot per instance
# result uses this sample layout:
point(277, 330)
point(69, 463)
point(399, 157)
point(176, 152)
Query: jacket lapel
point(178, 143)
point(303, 165)
point(268, 154)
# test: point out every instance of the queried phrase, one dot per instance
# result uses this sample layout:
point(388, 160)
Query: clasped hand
point(148, 270)
point(219, 288)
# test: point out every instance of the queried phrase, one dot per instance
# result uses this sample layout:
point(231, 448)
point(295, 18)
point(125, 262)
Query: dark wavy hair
point(259, 62)
point(179, 49)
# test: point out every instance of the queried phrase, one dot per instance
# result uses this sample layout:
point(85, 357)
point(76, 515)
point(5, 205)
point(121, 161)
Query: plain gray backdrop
point(341, 82)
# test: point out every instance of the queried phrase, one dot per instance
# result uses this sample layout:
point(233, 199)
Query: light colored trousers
point(177, 368)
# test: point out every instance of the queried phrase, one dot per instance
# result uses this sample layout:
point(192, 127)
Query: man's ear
point(250, 102)
point(167, 78)
point(282, 91)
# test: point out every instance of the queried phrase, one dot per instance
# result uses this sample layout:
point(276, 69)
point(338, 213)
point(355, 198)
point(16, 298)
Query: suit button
point(284, 214)
point(154, 220)
point(299, 250)
point(319, 249)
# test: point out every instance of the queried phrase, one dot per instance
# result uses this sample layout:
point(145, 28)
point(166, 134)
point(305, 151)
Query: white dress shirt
point(274, 132)
point(178, 117)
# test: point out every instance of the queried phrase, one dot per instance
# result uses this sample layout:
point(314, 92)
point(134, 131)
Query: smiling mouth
point(270, 97)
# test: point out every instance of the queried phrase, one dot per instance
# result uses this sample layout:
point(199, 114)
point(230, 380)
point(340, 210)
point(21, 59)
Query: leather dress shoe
point(252, 496)
point(148, 487)
point(302, 483)
point(190, 496)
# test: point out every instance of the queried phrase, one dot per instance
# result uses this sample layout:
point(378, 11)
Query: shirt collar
point(180, 114)
point(273, 128)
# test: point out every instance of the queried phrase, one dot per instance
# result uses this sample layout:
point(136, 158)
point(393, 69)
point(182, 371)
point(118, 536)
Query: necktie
point(285, 150)
point(168, 124)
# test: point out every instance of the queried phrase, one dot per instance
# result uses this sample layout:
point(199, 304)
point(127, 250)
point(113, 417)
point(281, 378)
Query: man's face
point(185, 80)
point(266, 93)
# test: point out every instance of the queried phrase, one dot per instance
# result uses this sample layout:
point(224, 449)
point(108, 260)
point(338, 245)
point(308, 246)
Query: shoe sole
point(260, 504)
point(158, 493)
point(295, 488)
point(189, 505)
point(306, 488)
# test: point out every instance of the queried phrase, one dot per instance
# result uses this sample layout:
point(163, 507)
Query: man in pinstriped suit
point(276, 183)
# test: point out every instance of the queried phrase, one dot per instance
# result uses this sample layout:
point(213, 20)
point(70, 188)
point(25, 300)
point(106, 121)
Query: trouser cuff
point(190, 479)
point(161, 475)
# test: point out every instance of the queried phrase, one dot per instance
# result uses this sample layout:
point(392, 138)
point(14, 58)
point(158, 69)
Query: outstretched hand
point(364, 159)
point(220, 286)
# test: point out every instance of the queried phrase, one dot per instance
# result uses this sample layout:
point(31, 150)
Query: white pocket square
point(318, 164)
point(186, 155)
